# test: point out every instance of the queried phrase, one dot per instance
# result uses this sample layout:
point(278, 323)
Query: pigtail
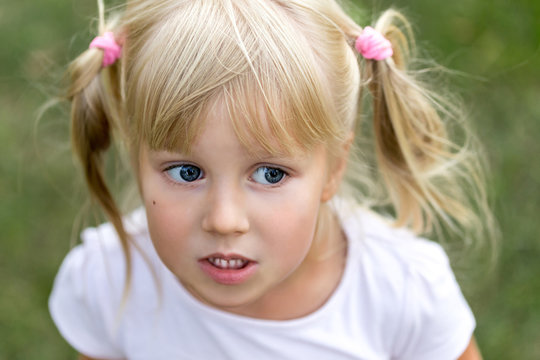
point(94, 93)
point(428, 176)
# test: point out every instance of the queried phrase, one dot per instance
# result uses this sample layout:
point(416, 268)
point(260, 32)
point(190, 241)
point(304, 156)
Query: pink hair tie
point(373, 45)
point(111, 49)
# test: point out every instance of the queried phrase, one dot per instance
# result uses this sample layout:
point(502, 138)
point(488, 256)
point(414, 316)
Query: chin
point(232, 299)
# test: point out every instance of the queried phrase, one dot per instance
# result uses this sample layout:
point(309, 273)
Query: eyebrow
point(264, 155)
point(258, 152)
point(251, 152)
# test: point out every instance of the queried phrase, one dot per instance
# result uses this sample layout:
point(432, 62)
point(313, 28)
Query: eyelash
point(168, 170)
point(283, 175)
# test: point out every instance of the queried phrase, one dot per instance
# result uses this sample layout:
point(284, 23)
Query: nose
point(226, 212)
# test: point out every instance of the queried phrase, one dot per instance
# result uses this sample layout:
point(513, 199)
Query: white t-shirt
point(397, 299)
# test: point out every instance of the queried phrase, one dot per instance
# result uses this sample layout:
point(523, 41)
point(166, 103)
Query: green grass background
point(495, 44)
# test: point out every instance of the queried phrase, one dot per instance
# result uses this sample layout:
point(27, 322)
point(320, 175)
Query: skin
point(232, 208)
point(471, 352)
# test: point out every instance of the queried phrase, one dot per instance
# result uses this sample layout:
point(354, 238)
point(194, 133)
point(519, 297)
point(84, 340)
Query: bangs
point(275, 97)
point(268, 117)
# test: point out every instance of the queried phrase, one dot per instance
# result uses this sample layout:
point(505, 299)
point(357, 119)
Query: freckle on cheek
point(153, 202)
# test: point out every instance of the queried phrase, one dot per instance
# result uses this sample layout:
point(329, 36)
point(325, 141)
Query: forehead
point(273, 89)
point(248, 125)
point(264, 125)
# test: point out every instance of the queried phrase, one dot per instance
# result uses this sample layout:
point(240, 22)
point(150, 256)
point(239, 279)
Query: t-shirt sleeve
point(437, 322)
point(81, 307)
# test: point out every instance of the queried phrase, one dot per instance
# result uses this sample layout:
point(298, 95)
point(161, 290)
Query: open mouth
point(232, 264)
point(228, 269)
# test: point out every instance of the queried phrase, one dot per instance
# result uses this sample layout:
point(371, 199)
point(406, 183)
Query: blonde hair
point(284, 67)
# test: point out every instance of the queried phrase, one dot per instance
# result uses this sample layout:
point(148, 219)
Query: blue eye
point(184, 173)
point(268, 175)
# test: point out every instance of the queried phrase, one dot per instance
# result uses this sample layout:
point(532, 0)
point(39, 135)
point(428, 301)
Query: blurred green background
point(494, 44)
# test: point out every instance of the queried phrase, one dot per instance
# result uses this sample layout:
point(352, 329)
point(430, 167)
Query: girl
point(239, 117)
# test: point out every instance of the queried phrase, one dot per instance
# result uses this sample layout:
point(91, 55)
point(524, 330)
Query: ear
point(336, 170)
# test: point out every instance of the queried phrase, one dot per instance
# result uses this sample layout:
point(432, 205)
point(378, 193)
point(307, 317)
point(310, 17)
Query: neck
point(313, 283)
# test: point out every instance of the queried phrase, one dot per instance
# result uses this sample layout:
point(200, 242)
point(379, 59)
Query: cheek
point(291, 228)
point(166, 228)
point(166, 219)
point(169, 224)
point(170, 234)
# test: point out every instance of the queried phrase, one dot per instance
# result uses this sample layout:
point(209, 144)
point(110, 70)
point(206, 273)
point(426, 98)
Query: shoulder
point(391, 264)
point(100, 260)
point(88, 290)
point(397, 251)
point(411, 284)
point(105, 238)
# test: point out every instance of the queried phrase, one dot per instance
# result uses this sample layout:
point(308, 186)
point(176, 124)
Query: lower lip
point(228, 276)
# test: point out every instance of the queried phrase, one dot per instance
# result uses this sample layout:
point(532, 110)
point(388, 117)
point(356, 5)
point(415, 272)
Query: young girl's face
point(234, 226)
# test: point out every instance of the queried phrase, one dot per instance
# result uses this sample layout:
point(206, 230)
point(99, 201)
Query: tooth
point(227, 263)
